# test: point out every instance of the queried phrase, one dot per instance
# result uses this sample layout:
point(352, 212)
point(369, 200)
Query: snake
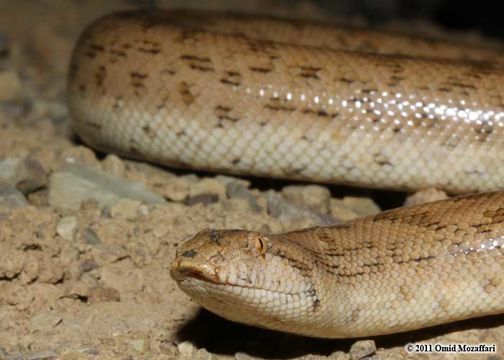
point(307, 101)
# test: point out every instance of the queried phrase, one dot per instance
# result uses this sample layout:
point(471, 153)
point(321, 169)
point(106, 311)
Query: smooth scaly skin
point(153, 89)
point(323, 35)
point(400, 270)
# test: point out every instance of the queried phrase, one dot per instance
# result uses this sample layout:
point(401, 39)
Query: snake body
point(175, 89)
point(157, 90)
point(399, 270)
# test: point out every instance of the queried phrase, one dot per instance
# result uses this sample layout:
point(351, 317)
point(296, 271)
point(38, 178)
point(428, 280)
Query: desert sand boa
point(206, 92)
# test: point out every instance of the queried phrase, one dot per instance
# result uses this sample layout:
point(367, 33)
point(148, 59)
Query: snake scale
point(307, 101)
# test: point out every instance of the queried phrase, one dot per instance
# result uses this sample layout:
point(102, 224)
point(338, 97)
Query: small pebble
point(341, 211)
point(67, 227)
point(30, 175)
point(362, 349)
point(362, 206)
point(423, 196)
point(205, 199)
point(26, 174)
point(12, 262)
point(339, 355)
point(208, 186)
point(203, 354)
point(245, 356)
point(90, 237)
point(186, 349)
point(78, 156)
point(314, 197)
point(42, 355)
point(110, 253)
point(175, 189)
point(226, 179)
point(88, 265)
point(239, 189)
point(11, 198)
point(99, 294)
point(91, 350)
point(282, 209)
point(38, 198)
point(112, 164)
point(45, 322)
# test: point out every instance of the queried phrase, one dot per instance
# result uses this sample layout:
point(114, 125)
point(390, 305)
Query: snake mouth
point(194, 274)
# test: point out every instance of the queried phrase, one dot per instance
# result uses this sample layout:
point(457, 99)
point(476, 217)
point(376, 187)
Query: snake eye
point(260, 245)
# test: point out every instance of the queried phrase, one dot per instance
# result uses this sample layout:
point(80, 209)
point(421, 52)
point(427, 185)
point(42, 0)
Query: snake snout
point(185, 267)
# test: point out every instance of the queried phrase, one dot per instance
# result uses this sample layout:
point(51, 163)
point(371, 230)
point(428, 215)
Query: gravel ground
point(86, 239)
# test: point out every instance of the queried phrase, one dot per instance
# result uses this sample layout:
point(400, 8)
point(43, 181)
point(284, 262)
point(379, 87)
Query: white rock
point(362, 349)
point(362, 206)
point(45, 322)
point(67, 227)
point(75, 183)
point(186, 349)
point(314, 197)
point(424, 196)
point(208, 186)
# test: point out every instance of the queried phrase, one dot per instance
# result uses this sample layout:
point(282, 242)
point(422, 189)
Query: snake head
point(247, 277)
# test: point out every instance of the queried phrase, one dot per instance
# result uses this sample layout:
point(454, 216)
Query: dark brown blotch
point(309, 72)
point(163, 102)
point(149, 47)
point(261, 69)
point(118, 53)
point(224, 113)
point(233, 78)
point(276, 104)
point(200, 63)
point(137, 80)
point(416, 260)
point(186, 36)
point(149, 132)
point(100, 76)
point(381, 159)
point(320, 113)
point(345, 80)
point(96, 47)
point(184, 90)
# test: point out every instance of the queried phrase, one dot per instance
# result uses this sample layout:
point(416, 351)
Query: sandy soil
point(88, 276)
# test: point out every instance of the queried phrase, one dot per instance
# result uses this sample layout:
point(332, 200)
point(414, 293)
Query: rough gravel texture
point(86, 239)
